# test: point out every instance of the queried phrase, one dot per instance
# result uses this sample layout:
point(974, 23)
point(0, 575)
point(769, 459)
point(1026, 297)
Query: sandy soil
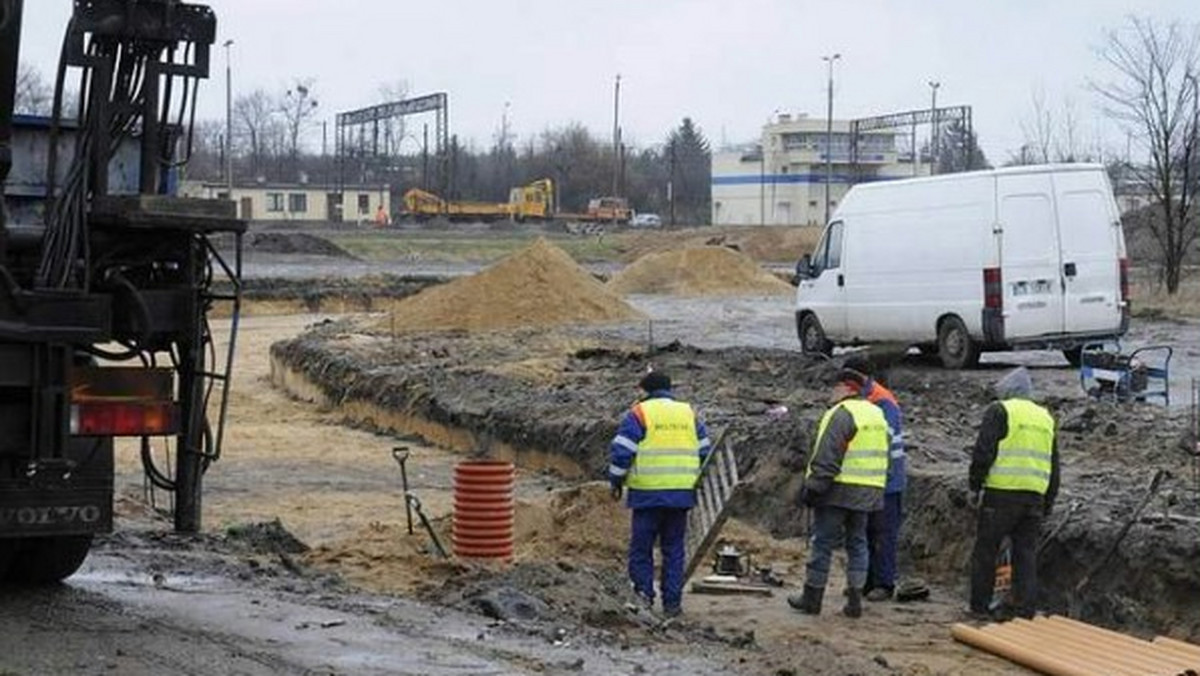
point(337, 489)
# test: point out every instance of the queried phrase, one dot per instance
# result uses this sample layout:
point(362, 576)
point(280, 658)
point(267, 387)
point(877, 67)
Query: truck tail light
point(993, 289)
point(124, 418)
point(1125, 295)
point(122, 402)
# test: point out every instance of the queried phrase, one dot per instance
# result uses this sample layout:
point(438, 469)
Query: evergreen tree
point(689, 161)
point(958, 150)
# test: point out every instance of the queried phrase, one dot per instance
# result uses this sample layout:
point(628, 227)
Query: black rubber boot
point(853, 607)
point(810, 602)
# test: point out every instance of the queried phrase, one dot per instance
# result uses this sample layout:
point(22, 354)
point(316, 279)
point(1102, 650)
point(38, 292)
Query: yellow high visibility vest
point(668, 458)
point(866, 459)
point(1023, 457)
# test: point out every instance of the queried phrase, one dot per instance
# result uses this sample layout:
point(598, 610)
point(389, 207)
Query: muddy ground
point(339, 586)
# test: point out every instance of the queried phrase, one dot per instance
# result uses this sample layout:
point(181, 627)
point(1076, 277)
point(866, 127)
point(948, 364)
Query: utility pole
point(829, 131)
point(933, 132)
point(506, 163)
point(671, 180)
point(228, 120)
point(616, 135)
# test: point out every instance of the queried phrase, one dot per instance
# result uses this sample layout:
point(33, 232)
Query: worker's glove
point(1047, 508)
point(615, 489)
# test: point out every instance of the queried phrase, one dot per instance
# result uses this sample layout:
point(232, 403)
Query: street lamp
point(228, 121)
point(829, 132)
point(933, 132)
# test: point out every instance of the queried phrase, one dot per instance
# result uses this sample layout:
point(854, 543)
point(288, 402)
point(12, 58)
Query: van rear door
point(1030, 259)
point(1090, 237)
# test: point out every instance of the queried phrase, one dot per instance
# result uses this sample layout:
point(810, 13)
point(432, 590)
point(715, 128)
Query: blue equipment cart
point(1144, 374)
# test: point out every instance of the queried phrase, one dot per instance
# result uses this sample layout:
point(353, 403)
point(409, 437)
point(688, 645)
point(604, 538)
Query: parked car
point(646, 221)
point(1010, 259)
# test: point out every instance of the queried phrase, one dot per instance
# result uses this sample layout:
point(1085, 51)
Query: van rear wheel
point(955, 347)
point(812, 336)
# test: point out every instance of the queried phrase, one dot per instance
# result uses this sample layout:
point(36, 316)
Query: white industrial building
point(781, 180)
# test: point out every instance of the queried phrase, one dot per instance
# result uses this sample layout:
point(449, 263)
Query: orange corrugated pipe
point(483, 510)
point(1016, 653)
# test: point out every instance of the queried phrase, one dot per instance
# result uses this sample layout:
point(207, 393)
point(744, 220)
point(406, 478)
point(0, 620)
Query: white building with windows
point(781, 180)
point(298, 201)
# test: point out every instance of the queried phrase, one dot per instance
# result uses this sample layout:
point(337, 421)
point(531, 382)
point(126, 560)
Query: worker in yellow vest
point(847, 471)
point(1014, 480)
point(657, 453)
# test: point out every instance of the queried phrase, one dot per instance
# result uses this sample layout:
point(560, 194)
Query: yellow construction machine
point(421, 205)
point(535, 201)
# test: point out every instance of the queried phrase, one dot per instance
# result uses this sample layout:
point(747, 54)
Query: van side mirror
point(803, 269)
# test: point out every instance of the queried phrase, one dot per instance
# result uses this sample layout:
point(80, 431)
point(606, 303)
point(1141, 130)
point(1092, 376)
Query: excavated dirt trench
point(551, 400)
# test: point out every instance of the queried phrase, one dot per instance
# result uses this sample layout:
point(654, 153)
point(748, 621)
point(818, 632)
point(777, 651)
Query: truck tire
point(48, 560)
point(955, 347)
point(812, 336)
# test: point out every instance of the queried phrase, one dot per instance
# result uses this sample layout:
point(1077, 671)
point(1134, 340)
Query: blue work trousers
point(883, 534)
point(831, 527)
point(667, 526)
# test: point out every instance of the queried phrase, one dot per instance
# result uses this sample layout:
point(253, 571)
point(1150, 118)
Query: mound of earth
point(538, 286)
point(698, 271)
point(780, 244)
point(294, 243)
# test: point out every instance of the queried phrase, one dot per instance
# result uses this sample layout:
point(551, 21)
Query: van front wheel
point(812, 336)
point(955, 347)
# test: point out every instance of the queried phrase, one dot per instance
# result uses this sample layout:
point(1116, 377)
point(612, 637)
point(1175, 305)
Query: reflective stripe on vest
point(866, 459)
point(668, 458)
point(1023, 456)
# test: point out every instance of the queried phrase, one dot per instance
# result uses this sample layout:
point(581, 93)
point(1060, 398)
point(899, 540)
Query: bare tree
point(1039, 131)
point(297, 106)
point(253, 113)
point(1155, 98)
point(32, 95)
point(394, 128)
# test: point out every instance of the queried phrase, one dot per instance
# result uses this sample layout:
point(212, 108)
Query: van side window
point(833, 257)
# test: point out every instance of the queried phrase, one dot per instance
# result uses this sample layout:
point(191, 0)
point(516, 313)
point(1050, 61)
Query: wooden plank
point(702, 587)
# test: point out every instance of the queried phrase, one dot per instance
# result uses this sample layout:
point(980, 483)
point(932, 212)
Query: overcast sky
point(728, 64)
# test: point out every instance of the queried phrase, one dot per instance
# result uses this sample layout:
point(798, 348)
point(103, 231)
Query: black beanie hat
point(655, 381)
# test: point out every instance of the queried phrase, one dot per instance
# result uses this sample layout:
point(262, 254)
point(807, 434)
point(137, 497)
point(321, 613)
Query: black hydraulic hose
point(144, 319)
point(56, 112)
point(156, 477)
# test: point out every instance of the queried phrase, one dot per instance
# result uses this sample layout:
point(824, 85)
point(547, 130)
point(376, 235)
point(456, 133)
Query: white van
point(1018, 258)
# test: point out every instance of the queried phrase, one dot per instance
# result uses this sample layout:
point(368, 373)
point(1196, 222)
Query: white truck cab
point(1018, 258)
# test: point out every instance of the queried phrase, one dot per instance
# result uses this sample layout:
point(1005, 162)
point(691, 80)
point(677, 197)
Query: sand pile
point(779, 244)
point(697, 271)
point(583, 525)
point(538, 286)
